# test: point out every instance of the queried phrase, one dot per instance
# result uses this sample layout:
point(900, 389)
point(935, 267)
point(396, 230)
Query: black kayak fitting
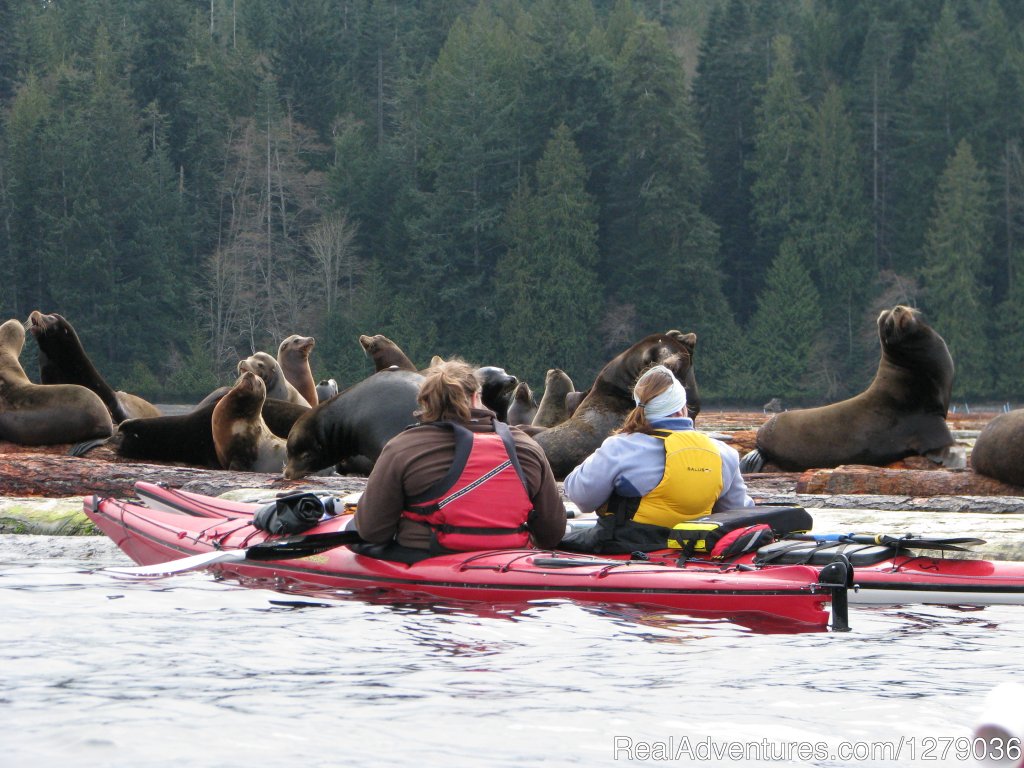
point(837, 578)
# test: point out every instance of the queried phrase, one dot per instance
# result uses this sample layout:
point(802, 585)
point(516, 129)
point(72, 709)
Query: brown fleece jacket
point(414, 460)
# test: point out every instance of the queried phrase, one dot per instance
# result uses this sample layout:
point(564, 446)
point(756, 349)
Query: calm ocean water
point(190, 671)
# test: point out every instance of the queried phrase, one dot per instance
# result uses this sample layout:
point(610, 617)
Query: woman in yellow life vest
point(654, 472)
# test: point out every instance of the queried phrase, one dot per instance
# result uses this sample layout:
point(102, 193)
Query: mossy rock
point(50, 517)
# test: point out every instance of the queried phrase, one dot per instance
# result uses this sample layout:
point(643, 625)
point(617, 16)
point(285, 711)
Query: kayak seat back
point(783, 520)
point(821, 553)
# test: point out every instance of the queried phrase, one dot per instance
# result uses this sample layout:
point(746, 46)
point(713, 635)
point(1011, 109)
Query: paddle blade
point(285, 549)
point(948, 544)
point(191, 563)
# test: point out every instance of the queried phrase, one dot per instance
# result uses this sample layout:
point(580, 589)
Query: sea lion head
point(913, 346)
point(371, 344)
point(296, 344)
point(523, 394)
point(496, 388)
point(907, 339)
point(247, 394)
point(673, 349)
point(45, 326)
point(326, 389)
point(305, 447)
point(897, 324)
point(556, 377)
point(262, 364)
point(12, 338)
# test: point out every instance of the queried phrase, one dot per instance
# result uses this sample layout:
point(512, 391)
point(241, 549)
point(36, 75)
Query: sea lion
point(573, 400)
point(326, 389)
point(241, 437)
point(293, 357)
point(356, 422)
point(611, 398)
point(268, 369)
point(180, 439)
point(552, 409)
point(188, 438)
point(280, 415)
point(902, 412)
point(523, 407)
point(496, 389)
point(62, 360)
point(385, 353)
point(44, 414)
point(999, 450)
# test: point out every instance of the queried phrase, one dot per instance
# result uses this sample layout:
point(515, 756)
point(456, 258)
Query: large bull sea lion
point(999, 450)
point(62, 360)
point(610, 398)
point(44, 414)
point(356, 422)
point(902, 412)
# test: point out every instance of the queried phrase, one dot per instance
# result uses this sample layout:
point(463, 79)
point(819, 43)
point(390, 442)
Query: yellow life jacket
point(691, 484)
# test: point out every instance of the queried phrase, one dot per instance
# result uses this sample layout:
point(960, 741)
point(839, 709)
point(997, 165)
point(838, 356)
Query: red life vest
point(483, 502)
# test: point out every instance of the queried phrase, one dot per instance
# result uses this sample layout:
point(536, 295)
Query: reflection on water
point(190, 671)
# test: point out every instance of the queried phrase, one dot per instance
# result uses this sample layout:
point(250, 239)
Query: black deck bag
point(294, 513)
point(699, 537)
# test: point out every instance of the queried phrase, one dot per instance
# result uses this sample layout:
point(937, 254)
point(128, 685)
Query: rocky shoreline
point(42, 489)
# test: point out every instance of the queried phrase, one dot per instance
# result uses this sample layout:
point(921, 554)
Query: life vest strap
point(479, 531)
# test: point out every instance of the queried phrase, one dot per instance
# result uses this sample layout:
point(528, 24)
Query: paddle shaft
point(909, 541)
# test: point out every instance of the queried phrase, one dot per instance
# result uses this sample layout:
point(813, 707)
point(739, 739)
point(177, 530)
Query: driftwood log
point(54, 476)
point(860, 479)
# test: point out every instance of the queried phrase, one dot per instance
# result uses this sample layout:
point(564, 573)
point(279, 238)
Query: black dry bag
point(295, 513)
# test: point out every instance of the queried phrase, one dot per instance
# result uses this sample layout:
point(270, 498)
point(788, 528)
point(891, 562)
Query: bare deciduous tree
point(332, 245)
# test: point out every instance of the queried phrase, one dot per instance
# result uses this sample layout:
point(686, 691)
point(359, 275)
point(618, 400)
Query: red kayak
point(883, 574)
point(797, 594)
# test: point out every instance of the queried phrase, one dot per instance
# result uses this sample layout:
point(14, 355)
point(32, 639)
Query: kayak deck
point(789, 593)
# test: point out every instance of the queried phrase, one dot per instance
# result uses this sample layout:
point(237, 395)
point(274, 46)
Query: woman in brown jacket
point(460, 480)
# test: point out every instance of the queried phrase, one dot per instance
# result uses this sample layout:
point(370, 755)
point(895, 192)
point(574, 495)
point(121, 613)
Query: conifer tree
point(788, 323)
point(1008, 351)
point(25, 186)
point(725, 100)
point(662, 253)
point(833, 231)
point(956, 245)
point(470, 164)
point(779, 143)
point(950, 98)
point(546, 282)
point(875, 103)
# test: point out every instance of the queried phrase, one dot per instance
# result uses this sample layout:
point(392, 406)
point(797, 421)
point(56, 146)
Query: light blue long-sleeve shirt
point(632, 464)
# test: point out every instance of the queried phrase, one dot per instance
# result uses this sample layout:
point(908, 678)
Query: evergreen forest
point(524, 183)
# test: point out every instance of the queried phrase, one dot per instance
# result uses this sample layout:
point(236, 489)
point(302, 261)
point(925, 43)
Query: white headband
point(672, 400)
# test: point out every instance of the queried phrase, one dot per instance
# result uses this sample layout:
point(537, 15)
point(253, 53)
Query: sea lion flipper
point(80, 449)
